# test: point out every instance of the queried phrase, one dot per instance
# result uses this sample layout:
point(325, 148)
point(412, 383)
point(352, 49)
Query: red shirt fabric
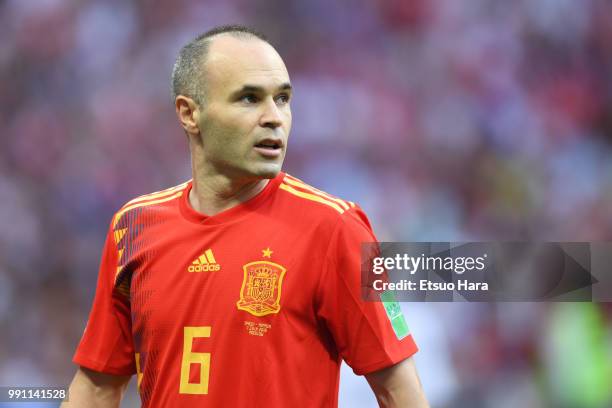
point(254, 306)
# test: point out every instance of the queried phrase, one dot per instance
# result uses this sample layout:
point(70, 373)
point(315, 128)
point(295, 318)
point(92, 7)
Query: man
point(241, 287)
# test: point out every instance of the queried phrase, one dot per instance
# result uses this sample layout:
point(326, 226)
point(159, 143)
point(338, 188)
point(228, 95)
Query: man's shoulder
point(151, 200)
point(314, 203)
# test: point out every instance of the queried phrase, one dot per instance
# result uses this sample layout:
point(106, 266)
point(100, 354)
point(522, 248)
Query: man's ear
point(188, 114)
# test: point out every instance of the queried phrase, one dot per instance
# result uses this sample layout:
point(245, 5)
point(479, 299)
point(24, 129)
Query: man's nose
point(271, 117)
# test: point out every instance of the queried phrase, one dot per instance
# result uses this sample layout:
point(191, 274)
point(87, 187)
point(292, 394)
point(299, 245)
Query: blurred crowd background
point(446, 120)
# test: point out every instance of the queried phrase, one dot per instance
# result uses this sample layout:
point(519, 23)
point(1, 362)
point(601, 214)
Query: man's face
point(245, 118)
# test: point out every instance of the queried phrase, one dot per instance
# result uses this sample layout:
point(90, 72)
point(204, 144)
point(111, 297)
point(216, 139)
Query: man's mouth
point(270, 148)
point(270, 144)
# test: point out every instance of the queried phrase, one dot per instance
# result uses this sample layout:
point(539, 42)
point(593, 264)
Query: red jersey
point(252, 307)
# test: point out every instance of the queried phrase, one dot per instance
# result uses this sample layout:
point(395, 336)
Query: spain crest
point(261, 288)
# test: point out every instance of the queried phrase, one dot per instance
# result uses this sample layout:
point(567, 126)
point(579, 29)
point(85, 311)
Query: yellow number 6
point(190, 357)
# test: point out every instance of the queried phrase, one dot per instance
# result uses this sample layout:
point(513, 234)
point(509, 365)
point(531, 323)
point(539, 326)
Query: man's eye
point(248, 98)
point(282, 98)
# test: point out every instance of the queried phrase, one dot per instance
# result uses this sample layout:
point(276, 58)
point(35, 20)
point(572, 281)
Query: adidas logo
point(204, 263)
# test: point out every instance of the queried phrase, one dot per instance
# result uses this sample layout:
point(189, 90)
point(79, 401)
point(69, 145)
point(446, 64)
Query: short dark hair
point(187, 73)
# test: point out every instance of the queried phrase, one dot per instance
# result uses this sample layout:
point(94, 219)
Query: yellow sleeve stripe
point(120, 213)
point(298, 183)
point(119, 235)
point(138, 372)
point(119, 255)
point(157, 194)
point(311, 197)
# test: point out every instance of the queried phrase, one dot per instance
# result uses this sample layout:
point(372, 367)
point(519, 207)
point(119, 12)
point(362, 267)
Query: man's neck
point(212, 194)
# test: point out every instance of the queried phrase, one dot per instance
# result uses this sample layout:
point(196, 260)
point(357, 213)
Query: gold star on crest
point(267, 253)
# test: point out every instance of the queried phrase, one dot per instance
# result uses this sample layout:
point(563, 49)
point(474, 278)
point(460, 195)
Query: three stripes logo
point(204, 263)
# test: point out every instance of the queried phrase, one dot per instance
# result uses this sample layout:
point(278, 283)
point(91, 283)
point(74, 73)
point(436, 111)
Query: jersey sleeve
point(107, 345)
point(362, 330)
